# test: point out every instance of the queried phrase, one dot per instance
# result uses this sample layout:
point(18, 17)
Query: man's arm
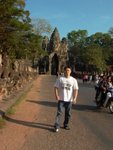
point(75, 94)
point(56, 93)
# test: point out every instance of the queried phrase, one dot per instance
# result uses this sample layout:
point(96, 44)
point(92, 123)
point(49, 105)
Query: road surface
point(31, 127)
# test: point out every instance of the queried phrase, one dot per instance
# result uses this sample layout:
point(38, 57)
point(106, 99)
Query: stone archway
point(54, 64)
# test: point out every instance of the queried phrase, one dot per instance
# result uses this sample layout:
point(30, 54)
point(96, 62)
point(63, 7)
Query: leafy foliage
point(95, 50)
point(16, 31)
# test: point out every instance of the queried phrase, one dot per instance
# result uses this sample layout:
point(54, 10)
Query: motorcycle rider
point(99, 86)
point(109, 89)
point(104, 89)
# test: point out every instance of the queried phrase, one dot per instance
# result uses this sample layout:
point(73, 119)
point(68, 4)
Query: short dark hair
point(67, 67)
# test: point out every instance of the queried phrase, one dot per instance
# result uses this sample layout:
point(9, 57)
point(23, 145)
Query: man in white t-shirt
point(66, 92)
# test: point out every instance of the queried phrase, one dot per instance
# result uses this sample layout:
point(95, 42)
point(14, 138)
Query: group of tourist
point(103, 87)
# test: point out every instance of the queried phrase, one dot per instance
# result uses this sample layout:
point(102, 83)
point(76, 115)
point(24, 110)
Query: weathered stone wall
point(14, 75)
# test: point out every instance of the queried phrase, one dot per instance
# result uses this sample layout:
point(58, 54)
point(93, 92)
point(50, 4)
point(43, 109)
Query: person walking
point(66, 92)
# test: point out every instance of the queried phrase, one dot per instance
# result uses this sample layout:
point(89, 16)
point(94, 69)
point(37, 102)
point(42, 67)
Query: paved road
point(90, 128)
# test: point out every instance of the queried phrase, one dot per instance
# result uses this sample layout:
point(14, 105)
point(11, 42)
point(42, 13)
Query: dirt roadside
point(16, 130)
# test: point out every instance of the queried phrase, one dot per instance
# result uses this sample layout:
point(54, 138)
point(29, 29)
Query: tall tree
point(14, 22)
point(41, 26)
point(76, 42)
point(93, 56)
point(77, 37)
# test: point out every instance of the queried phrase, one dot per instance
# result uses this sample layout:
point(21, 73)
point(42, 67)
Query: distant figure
point(90, 78)
point(85, 78)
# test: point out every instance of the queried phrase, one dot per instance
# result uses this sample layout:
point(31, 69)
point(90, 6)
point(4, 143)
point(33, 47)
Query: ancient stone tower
point(57, 50)
point(58, 57)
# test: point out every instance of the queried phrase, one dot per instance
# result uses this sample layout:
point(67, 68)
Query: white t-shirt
point(65, 88)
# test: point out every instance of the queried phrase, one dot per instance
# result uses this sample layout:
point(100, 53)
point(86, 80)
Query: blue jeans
point(68, 108)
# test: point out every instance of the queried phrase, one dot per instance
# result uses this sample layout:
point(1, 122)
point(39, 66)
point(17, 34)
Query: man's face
point(67, 71)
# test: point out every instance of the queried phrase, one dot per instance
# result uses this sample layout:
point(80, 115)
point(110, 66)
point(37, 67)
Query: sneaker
point(56, 129)
point(66, 128)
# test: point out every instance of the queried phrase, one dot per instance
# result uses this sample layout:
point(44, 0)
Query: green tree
point(93, 56)
point(76, 42)
point(77, 37)
point(103, 40)
point(15, 22)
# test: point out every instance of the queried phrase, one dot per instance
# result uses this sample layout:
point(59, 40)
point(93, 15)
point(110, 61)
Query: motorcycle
point(102, 101)
point(110, 104)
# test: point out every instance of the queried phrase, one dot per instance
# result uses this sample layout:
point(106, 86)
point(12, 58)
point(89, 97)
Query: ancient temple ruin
point(57, 54)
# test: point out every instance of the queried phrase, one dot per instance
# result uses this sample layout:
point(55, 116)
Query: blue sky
point(67, 15)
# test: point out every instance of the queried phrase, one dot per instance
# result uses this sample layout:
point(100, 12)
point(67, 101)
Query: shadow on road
point(44, 102)
point(79, 107)
point(30, 124)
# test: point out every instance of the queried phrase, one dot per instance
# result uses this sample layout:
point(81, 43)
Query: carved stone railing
point(15, 77)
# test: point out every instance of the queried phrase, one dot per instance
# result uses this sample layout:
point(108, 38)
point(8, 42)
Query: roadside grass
point(12, 109)
point(2, 123)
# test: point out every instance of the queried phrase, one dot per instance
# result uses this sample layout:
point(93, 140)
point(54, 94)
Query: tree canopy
point(95, 50)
